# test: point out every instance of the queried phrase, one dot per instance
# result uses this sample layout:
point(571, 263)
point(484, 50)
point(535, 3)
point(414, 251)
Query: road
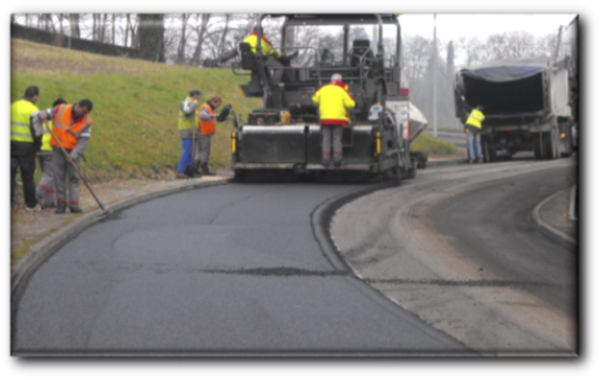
point(237, 269)
point(446, 264)
point(458, 247)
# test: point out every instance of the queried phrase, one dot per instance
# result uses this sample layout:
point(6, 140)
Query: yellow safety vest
point(188, 122)
point(265, 46)
point(46, 138)
point(20, 116)
point(475, 118)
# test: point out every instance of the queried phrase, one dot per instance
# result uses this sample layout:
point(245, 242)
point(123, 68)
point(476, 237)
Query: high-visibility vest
point(67, 130)
point(207, 127)
point(20, 117)
point(334, 100)
point(46, 138)
point(265, 45)
point(186, 122)
point(475, 118)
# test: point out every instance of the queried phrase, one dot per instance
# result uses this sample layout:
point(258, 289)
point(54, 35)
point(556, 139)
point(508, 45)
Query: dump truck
point(526, 107)
point(284, 135)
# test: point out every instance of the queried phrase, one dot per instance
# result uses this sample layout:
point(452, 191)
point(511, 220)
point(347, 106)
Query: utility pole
point(435, 69)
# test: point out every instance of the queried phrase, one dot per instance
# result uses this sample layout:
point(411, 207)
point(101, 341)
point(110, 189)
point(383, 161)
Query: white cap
point(337, 77)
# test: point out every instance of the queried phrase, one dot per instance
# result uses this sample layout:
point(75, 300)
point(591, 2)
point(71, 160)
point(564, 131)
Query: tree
point(74, 22)
point(182, 39)
point(151, 31)
point(200, 28)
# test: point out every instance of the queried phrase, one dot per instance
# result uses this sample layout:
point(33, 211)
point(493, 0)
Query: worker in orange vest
point(207, 120)
point(72, 127)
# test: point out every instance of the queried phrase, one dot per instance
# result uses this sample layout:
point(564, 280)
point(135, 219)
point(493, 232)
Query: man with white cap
point(334, 101)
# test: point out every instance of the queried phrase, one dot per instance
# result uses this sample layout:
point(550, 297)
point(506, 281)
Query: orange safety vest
point(207, 127)
point(67, 130)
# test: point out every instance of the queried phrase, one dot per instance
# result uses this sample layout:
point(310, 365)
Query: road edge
point(554, 234)
point(45, 248)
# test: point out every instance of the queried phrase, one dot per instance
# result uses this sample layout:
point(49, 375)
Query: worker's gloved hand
point(224, 113)
point(37, 143)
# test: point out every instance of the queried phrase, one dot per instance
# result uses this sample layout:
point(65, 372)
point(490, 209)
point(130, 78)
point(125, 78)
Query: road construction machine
point(284, 135)
point(526, 106)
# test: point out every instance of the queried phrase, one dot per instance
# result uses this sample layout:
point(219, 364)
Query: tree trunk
point(224, 35)
point(182, 39)
point(112, 36)
point(151, 32)
point(74, 21)
point(201, 32)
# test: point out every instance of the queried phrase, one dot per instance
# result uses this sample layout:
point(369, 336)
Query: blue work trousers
point(474, 143)
point(186, 155)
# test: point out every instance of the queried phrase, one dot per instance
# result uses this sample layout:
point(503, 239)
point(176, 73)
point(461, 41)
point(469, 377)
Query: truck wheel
point(489, 150)
point(550, 145)
point(538, 146)
point(567, 143)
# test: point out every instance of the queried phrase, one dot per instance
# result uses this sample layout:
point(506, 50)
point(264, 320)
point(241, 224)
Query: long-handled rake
point(104, 210)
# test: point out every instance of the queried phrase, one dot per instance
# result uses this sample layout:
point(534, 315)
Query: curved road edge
point(44, 249)
point(548, 229)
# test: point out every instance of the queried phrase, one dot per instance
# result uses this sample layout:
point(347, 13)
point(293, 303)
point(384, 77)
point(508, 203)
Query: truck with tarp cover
point(284, 135)
point(526, 106)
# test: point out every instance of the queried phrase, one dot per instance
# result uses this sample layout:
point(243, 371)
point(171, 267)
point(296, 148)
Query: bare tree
point(151, 30)
point(113, 26)
point(74, 22)
point(221, 47)
point(200, 28)
point(417, 50)
point(182, 39)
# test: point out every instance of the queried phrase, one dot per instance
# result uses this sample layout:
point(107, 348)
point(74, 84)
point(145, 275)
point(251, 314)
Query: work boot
point(60, 209)
point(326, 162)
point(205, 170)
point(479, 160)
point(35, 208)
point(181, 175)
point(75, 210)
point(337, 164)
point(197, 170)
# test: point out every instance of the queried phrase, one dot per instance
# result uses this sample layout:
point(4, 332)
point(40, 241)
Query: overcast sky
point(453, 26)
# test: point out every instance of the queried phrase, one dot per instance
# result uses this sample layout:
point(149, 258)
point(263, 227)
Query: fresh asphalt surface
point(232, 269)
point(458, 246)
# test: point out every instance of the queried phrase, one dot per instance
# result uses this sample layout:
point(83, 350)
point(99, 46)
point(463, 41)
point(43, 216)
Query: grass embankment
point(433, 146)
point(136, 102)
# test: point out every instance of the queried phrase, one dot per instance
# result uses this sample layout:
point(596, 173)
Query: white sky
point(453, 26)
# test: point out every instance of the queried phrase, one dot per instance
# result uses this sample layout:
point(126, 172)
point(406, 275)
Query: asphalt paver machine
point(284, 135)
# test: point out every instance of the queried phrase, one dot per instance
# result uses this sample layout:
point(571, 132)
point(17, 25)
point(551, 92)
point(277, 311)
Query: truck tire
point(537, 142)
point(551, 147)
point(488, 149)
point(567, 144)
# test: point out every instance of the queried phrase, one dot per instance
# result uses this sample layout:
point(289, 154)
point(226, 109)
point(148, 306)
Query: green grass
point(134, 133)
point(433, 146)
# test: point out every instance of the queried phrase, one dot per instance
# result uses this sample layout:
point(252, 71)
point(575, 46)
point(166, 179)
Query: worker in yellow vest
point(334, 102)
point(473, 127)
point(187, 123)
point(273, 59)
point(24, 144)
point(45, 189)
